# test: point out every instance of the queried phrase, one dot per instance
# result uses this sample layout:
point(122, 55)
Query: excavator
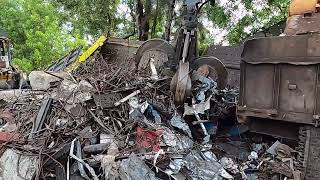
point(9, 78)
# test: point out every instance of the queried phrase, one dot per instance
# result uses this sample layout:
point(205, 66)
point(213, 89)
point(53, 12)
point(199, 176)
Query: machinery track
point(309, 152)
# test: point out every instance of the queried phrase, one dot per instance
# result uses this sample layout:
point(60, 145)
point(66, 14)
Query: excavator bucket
point(298, 7)
point(304, 17)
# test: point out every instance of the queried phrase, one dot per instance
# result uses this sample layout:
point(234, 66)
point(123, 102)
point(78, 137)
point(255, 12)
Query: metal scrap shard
point(134, 168)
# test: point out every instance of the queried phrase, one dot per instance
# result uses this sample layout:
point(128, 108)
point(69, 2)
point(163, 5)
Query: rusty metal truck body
point(280, 79)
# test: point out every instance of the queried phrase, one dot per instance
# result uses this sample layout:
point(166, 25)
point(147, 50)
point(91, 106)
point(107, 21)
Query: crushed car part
point(67, 60)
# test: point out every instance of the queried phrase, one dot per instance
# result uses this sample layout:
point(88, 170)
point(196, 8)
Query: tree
point(170, 15)
point(101, 17)
point(143, 17)
point(44, 30)
point(38, 34)
point(92, 17)
point(260, 14)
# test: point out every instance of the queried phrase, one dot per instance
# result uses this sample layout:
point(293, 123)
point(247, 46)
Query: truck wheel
point(309, 152)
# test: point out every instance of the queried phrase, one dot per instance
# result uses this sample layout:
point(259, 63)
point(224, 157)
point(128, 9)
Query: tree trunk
point(155, 21)
point(142, 21)
point(139, 14)
point(131, 5)
point(170, 15)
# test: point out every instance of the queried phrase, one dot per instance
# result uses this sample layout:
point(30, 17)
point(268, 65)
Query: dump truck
point(279, 85)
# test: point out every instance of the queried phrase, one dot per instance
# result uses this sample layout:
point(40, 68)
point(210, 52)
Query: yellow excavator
point(299, 7)
point(304, 17)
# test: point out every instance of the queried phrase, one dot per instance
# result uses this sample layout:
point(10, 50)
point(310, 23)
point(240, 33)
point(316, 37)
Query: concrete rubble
point(16, 166)
point(106, 120)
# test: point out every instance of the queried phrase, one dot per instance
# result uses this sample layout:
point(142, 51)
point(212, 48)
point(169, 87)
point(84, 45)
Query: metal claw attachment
point(181, 83)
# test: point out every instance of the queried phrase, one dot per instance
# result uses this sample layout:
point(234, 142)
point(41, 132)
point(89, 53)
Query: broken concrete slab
point(73, 92)
point(14, 166)
point(40, 80)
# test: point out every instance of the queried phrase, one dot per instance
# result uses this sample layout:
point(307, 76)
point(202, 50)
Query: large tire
point(309, 152)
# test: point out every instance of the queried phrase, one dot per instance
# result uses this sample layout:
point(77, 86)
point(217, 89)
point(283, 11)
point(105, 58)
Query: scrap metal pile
point(109, 121)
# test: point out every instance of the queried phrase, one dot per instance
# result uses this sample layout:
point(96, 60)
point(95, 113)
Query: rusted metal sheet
point(296, 50)
point(279, 79)
point(121, 51)
point(124, 49)
point(230, 56)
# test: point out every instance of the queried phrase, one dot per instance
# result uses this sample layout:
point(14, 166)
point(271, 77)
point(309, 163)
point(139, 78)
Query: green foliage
point(92, 17)
point(236, 34)
point(37, 32)
point(272, 13)
point(218, 15)
point(248, 4)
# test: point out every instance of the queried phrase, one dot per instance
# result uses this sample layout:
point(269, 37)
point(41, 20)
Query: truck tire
point(309, 152)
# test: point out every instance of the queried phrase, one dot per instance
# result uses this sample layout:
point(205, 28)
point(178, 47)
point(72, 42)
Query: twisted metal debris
point(107, 117)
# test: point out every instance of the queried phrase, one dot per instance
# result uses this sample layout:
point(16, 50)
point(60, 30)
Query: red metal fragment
point(148, 140)
point(8, 137)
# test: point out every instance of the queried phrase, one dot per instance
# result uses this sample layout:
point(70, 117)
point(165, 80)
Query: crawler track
point(309, 152)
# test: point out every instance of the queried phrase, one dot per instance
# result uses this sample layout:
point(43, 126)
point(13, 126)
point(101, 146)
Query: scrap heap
point(107, 120)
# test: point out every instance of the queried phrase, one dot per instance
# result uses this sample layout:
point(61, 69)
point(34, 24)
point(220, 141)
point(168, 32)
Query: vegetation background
point(42, 31)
